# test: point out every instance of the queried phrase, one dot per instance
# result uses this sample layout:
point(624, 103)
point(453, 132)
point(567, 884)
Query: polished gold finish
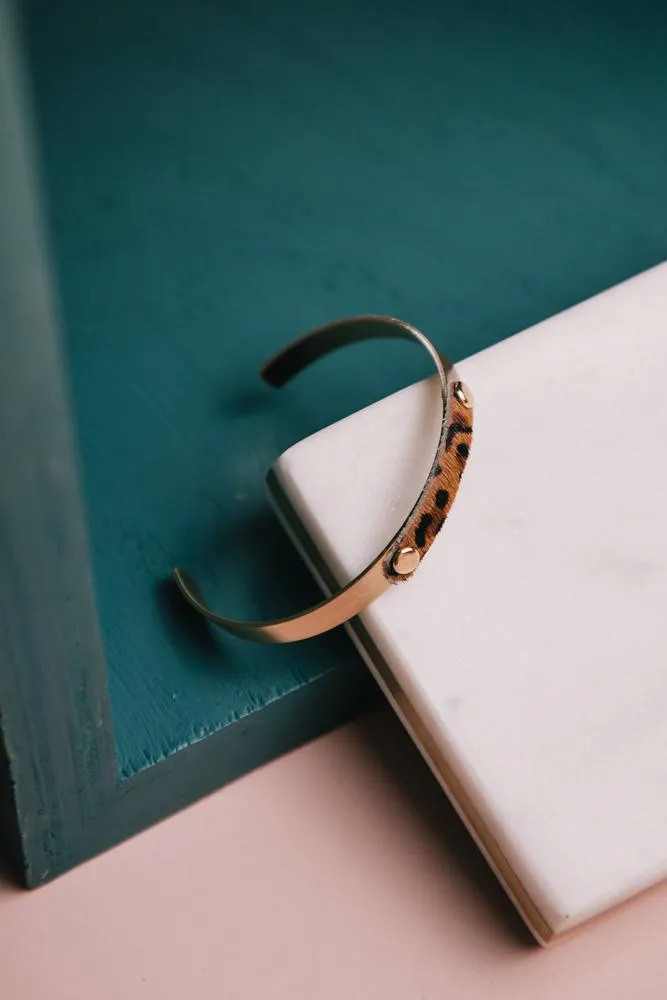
point(394, 560)
point(405, 561)
point(337, 610)
point(463, 394)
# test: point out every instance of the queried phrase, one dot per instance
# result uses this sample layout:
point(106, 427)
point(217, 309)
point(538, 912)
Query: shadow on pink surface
point(395, 758)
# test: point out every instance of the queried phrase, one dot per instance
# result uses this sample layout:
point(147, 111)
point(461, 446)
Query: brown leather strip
point(429, 514)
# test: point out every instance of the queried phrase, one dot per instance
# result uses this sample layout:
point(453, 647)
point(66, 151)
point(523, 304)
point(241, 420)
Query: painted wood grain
point(53, 704)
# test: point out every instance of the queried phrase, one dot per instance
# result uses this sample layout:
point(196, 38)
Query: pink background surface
point(337, 872)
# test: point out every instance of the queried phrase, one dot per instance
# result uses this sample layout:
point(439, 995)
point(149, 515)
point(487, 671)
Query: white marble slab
point(533, 639)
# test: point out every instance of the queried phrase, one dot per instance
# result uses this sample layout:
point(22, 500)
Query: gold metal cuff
point(401, 557)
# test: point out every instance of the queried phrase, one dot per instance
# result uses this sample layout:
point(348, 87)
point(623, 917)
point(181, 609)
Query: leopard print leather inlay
point(433, 506)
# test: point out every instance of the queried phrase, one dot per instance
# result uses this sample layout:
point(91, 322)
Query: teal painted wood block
point(216, 178)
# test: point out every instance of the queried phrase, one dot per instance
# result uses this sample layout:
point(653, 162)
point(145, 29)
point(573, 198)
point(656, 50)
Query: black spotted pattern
point(440, 490)
point(442, 499)
point(455, 429)
point(423, 526)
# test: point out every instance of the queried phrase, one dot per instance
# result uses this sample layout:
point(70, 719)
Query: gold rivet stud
point(463, 394)
point(405, 561)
